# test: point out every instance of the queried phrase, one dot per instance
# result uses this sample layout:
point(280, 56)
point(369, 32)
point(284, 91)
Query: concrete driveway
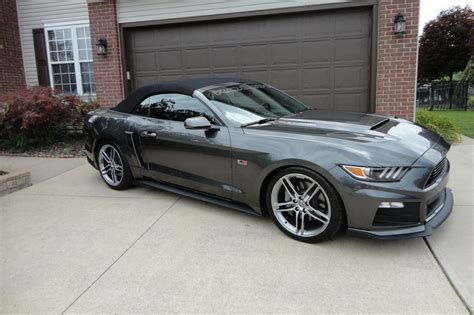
point(70, 244)
point(453, 242)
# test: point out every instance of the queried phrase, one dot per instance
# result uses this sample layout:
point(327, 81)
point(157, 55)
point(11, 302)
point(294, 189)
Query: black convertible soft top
point(185, 86)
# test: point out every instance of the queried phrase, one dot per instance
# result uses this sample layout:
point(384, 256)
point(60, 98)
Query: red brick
point(12, 74)
point(108, 68)
point(396, 59)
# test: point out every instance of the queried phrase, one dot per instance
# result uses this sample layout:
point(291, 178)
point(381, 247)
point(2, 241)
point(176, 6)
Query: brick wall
point(397, 59)
point(11, 61)
point(107, 69)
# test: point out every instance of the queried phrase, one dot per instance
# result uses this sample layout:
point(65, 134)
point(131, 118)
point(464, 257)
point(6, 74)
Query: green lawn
point(464, 120)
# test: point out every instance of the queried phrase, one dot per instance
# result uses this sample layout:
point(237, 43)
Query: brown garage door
point(322, 58)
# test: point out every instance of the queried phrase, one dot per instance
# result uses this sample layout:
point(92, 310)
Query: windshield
point(247, 103)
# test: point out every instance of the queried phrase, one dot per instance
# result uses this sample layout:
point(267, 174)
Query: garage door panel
point(317, 25)
point(355, 49)
point(225, 57)
point(166, 37)
point(255, 55)
point(316, 79)
point(320, 57)
point(228, 32)
point(199, 34)
point(197, 58)
point(353, 22)
point(169, 77)
point(316, 51)
point(285, 79)
point(145, 61)
point(350, 101)
point(284, 27)
point(284, 53)
point(145, 80)
point(226, 74)
point(320, 101)
point(350, 77)
point(142, 39)
point(170, 60)
point(257, 75)
point(253, 30)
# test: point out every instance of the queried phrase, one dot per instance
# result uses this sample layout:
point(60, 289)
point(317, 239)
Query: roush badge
point(243, 162)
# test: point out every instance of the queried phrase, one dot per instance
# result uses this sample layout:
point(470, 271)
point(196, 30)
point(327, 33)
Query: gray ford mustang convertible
point(246, 145)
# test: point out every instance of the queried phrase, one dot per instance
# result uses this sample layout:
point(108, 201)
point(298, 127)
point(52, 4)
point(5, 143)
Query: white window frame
point(72, 26)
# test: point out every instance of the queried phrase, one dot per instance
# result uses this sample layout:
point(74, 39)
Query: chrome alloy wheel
point(301, 205)
point(110, 165)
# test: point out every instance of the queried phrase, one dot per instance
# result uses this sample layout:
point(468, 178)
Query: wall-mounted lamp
point(399, 24)
point(101, 46)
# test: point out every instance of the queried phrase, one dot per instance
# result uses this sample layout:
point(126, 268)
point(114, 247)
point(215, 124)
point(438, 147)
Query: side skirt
point(198, 196)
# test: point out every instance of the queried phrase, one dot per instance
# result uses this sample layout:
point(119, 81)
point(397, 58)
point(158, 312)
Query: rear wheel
point(304, 205)
point(113, 167)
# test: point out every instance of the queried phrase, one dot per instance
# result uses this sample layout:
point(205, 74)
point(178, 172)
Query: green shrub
point(444, 126)
point(38, 116)
point(470, 102)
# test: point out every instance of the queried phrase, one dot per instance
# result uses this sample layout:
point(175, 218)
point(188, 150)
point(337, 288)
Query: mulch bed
point(69, 149)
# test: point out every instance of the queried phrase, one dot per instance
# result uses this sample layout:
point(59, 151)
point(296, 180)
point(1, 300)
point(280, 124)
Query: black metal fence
point(443, 96)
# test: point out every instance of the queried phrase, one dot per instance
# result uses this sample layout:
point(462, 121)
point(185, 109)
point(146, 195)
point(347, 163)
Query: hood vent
point(380, 124)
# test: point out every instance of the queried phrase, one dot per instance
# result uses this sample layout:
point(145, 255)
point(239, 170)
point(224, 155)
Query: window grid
point(60, 45)
point(84, 43)
point(70, 59)
point(87, 75)
point(65, 77)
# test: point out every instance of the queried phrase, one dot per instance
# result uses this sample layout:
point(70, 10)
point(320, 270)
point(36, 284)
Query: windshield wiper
point(258, 122)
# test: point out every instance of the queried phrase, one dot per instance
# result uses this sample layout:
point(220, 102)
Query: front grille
point(439, 170)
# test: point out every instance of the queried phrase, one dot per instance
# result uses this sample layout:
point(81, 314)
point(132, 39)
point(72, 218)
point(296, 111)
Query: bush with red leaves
point(39, 116)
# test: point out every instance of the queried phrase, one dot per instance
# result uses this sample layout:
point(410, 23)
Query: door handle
point(148, 134)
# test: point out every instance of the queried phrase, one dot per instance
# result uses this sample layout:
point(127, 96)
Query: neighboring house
point(337, 54)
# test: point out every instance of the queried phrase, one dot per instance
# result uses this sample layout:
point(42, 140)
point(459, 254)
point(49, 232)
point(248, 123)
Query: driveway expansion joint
point(464, 302)
point(121, 255)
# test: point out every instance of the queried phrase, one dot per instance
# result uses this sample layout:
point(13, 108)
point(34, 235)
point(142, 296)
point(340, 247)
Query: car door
point(197, 159)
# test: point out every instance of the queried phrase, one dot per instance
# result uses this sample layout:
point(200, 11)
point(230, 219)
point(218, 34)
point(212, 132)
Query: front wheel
point(304, 205)
point(113, 167)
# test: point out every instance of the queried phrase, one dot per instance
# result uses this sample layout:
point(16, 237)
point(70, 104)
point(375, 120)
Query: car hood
point(382, 140)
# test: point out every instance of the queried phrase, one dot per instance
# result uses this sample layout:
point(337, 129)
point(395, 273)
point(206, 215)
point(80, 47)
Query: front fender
point(257, 193)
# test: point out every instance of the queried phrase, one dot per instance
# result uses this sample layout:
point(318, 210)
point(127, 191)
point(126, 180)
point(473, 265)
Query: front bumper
point(432, 222)
point(425, 206)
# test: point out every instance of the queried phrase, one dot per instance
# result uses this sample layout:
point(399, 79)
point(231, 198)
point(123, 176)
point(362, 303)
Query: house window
point(70, 59)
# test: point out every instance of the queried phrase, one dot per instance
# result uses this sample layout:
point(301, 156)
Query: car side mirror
point(199, 122)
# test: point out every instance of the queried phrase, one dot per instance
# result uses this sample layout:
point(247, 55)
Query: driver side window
point(172, 106)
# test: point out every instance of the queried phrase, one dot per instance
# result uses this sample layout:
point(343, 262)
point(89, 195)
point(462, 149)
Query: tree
point(444, 45)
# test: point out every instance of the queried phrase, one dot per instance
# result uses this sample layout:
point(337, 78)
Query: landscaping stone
point(10, 182)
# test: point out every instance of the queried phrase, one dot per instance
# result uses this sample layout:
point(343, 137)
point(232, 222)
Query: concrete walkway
point(40, 169)
point(70, 244)
point(453, 242)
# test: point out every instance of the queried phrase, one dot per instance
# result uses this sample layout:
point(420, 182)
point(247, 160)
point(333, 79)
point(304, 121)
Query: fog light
point(387, 204)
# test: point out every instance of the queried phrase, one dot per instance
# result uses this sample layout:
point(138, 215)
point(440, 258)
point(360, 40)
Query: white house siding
point(150, 10)
point(35, 14)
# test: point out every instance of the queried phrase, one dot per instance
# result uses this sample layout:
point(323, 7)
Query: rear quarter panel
point(108, 125)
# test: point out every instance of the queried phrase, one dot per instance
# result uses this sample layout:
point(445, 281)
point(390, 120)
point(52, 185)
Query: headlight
point(379, 174)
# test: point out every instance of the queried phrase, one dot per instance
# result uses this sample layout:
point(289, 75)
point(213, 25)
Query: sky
point(430, 9)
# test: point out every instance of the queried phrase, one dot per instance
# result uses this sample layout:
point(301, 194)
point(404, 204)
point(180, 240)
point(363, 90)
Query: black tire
point(336, 207)
point(127, 179)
